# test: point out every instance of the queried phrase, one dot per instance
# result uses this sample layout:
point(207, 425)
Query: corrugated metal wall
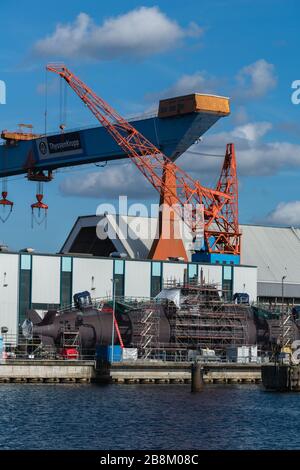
point(137, 279)
point(101, 270)
point(245, 280)
point(45, 279)
point(173, 271)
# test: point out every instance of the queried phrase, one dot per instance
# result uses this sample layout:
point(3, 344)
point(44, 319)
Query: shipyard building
point(44, 281)
point(275, 251)
point(269, 269)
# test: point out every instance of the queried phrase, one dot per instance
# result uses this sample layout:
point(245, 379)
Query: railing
point(98, 302)
point(130, 118)
point(16, 347)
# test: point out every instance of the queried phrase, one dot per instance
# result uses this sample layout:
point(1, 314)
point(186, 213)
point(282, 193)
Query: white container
point(253, 354)
point(129, 354)
point(240, 354)
point(243, 354)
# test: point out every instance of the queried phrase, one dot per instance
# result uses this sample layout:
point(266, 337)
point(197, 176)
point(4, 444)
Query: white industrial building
point(42, 281)
point(274, 250)
point(270, 264)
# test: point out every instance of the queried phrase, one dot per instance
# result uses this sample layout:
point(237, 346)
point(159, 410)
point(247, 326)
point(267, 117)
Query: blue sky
point(247, 50)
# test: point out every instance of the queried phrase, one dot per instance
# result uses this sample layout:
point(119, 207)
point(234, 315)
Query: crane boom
point(149, 159)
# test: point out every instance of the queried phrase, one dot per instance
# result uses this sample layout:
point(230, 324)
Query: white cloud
point(251, 132)
point(252, 81)
point(254, 156)
point(198, 82)
point(109, 183)
point(137, 34)
point(286, 213)
point(256, 80)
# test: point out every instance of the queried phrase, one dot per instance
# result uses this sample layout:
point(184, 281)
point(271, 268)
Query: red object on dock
point(70, 354)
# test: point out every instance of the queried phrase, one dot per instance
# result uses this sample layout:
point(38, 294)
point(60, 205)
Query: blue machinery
point(173, 135)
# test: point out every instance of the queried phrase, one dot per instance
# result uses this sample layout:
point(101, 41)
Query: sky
point(134, 53)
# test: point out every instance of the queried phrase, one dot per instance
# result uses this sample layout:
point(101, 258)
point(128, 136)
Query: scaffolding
point(70, 339)
point(198, 317)
point(146, 329)
point(287, 331)
point(204, 320)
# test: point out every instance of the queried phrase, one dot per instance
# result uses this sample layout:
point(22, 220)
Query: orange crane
point(224, 230)
point(206, 208)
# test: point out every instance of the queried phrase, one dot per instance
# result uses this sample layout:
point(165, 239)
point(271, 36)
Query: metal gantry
point(199, 206)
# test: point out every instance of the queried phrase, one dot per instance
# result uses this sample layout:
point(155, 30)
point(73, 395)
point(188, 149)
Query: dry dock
point(137, 372)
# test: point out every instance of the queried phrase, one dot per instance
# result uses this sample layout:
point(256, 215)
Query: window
point(119, 277)
point(156, 268)
point(66, 282)
point(66, 264)
point(24, 287)
point(227, 273)
point(193, 272)
point(119, 266)
point(156, 280)
point(25, 261)
point(227, 282)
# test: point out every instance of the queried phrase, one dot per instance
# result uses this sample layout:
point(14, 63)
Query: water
point(147, 417)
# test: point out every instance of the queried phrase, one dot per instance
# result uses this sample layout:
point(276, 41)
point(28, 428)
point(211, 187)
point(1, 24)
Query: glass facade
point(66, 282)
point(227, 281)
point(119, 277)
point(25, 287)
point(26, 262)
point(66, 264)
point(156, 278)
point(193, 272)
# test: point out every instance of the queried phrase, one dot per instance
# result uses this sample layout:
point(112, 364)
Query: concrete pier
point(47, 371)
point(134, 372)
point(160, 372)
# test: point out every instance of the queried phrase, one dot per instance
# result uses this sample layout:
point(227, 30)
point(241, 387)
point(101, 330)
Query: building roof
point(274, 250)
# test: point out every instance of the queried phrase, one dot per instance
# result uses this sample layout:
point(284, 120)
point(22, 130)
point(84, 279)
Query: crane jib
point(220, 211)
